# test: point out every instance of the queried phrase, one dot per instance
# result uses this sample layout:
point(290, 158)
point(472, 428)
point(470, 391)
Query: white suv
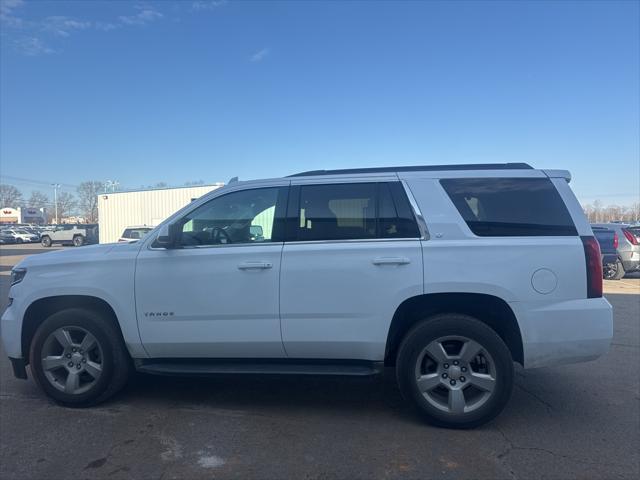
point(447, 273)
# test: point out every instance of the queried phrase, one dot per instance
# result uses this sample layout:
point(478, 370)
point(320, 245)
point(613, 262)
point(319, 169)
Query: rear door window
point(352, 211)
point(505, 207)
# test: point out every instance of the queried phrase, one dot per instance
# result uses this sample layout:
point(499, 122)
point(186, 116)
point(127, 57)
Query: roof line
point(418, 168)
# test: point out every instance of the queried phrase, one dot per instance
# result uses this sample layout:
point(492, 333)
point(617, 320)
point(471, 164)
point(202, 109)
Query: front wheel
point(456, 370)
point(18, 240)
point(78, 358)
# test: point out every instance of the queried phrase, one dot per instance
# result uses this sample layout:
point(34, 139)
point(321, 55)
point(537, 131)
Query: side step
point(256, 367)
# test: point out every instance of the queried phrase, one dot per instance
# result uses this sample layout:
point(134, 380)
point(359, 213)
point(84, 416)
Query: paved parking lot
point(576, 421)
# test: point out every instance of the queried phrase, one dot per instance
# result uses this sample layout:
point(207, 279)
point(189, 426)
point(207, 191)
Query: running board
point(224, 367)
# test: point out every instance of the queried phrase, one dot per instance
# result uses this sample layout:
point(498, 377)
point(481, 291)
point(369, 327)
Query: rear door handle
point(391, 261)
point(255, 265)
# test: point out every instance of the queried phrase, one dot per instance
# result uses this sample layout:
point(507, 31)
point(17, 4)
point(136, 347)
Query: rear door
point(352, 255)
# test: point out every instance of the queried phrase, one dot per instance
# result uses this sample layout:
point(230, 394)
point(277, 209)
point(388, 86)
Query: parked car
point(6, 239)
point(635, 229)
point(76, 235)
point(21, 236)
point(449, 274)
point(628, 248)
point(133, 234)
point(608, 241)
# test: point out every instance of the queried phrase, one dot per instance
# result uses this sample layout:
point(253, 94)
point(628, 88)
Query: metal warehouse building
point(119, 210)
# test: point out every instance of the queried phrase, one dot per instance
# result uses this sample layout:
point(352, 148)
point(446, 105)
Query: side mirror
point(166, 236)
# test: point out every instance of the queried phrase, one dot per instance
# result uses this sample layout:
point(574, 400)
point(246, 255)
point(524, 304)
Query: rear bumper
point(564, 332)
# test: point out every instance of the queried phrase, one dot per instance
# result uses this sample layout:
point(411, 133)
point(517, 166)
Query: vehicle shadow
point(269, 393)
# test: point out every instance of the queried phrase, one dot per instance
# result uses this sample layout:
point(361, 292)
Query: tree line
point(596, 212)
point(84, 202)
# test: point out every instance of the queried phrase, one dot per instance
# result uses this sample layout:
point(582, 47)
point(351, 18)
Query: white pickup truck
point(448, 274)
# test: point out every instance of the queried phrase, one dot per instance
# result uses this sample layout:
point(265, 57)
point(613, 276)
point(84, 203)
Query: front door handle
point(255, 265)
point(391, 261)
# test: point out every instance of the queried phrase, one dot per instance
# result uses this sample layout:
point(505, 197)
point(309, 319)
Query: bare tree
point(635, 212)
point(38, 199)
point(10, 196)
point(66, 204)
point(88, 199)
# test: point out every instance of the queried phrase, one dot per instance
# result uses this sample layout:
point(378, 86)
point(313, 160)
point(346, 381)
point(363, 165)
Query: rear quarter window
point(510, 207)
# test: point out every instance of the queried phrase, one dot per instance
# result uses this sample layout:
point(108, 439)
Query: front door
point(215, 294)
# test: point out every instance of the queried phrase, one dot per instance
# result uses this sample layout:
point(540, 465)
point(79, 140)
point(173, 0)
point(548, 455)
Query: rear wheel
point(78, 358)
point(613, 271)
point(46, 241)
point(18, 240)
point(456, 370)
point(78, 241)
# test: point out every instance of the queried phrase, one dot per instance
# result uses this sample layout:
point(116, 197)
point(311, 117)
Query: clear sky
point(180, 91)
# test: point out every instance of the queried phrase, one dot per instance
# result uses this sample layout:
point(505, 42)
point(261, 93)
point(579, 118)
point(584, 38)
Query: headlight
point(17, 275)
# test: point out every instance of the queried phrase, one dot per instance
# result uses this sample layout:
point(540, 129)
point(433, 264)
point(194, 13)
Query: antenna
point(233, 180)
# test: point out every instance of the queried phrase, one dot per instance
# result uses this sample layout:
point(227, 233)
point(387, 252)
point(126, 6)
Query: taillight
point(615, 240)
point(594, 267)
point(630, 236)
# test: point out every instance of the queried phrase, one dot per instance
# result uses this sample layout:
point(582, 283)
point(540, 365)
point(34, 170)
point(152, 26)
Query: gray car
point(628, 247)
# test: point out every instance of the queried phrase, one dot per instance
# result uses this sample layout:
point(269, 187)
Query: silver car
point(628, 247)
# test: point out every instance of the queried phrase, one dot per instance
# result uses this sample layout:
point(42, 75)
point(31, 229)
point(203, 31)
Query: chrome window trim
point(351, 240)
point(422, 225)
point(221, 245)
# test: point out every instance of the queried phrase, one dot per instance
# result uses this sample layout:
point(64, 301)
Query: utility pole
point(55, 186)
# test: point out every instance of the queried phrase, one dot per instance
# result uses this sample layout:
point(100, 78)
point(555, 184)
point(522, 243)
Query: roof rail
point(418, 168)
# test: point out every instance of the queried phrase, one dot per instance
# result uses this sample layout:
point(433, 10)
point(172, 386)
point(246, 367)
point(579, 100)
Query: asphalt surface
point(576, 421)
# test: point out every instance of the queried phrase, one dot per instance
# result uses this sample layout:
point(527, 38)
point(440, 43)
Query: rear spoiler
point(566, 174)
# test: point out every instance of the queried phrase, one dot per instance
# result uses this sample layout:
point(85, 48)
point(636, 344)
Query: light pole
point(55, 186)
point(111, 184)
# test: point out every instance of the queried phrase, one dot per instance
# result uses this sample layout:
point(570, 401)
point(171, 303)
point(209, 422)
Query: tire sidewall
point(78, 241)
point(620, 273)
point(46, 241)
point(450, 325)
point(74, 317)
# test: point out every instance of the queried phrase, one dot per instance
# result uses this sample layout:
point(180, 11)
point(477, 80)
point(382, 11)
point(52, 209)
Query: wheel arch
point(489, 309)
point(43, 308)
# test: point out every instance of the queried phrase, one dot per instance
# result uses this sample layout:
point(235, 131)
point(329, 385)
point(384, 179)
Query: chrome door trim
point(422, 225)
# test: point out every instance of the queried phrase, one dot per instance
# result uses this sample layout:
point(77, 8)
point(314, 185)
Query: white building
point(119, 210)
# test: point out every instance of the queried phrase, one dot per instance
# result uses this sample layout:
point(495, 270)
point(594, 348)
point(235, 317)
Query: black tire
point(447, 325)
point(614, 271)
point(116, 363)
point(18, 240)
point(45, 241)
point(78, 241)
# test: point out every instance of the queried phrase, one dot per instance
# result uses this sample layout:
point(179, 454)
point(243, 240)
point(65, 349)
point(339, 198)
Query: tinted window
point(352, 211)
point(395, 216)
point(246, 216)
point(135, 233)
point(499, 207)
point(337, 212)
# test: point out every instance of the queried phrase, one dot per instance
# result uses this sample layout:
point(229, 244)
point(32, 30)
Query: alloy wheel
point(72, 360)
point(455, 374)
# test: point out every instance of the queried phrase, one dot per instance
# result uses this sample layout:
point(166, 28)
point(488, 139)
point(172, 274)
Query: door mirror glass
point(165, 237)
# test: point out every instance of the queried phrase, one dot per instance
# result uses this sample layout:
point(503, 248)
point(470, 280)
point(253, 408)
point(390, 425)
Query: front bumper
point(563, 332)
